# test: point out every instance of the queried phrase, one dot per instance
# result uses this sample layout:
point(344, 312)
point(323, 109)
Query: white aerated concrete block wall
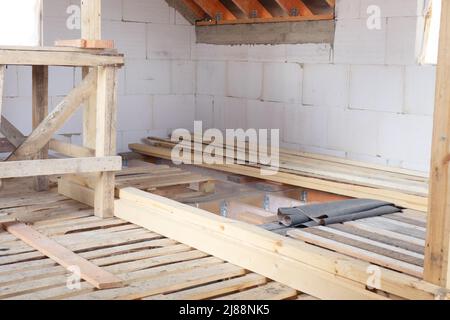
point(363, 97)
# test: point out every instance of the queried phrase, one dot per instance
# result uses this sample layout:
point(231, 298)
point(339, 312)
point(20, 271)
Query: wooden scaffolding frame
point(98, 92)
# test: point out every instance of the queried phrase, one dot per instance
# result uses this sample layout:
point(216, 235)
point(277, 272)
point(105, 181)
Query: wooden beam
point(56, 119)
point(2, 81)
point(198, 12)
point(397, 197)
point(34, 168)
point(295, 8)
point(91, 19)
point(215, 9)
point(6, 146)
point(252, 8)
point(105, 139)
point(209, 238)
point(89, 272)
point(45, 57)
point(270, 254)
point(86, 44)
point(71, 150)
point(39, 113)
point(437, 249)
point(319, 17)
point(11, 133)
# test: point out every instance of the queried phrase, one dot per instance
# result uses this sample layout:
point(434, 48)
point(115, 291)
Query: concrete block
point(282, 82)
point(18, 111)
point(130, 38)
point(55, 8)
point(404, 40)
point(55, 28)
point(168, 41)
point(11, 83)
point(377, 88)
point(406, 137)
point(211, 77)
point(201, 51)
point(268, 53)
point(112, 10)
point(173, 112)
point(230, 113)
point(348, 9)
point(147, 76)
point(420, 86)
point(155, 11)
point(353, 131)
point(204, 110)
point(244, 80)
point(183, 77)
point(265, 115)
point(356, 44)
point(326, 85)
point(309, 53)
point(60, 80)
point(134, 136)
point(24, 80)
point(305, 125)
point(394, 8)
point(135, 112)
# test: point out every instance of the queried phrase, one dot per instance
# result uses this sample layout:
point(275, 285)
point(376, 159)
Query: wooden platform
point(152, 266)
point(394, 241)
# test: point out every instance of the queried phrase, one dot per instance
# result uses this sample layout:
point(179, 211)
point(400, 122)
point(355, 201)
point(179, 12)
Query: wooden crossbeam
point(195, 9)
point(93, 274)
point(34, 168)
point(56, 119)
point(295, 7)
point(437, 248)
point(70, 150)
point(252, 8)
point(331, 3)
point(11, 133)
point(215, 9)
point(86, 44)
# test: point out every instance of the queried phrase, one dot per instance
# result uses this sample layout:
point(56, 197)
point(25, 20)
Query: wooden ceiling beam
point(331, 3)
point(215, 9)
point(291, 7)
point(195, 8)
point(252, 8)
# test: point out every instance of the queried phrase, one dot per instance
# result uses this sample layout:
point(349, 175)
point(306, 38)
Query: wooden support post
point(105, 139)
point(437, 249)
point(2, 79)
point(91, 23)
point(40, 112)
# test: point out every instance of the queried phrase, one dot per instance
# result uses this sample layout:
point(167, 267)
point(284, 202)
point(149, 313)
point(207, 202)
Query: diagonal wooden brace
point(56, 119)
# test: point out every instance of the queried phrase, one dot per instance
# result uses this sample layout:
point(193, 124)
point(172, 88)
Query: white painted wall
point(364, 98)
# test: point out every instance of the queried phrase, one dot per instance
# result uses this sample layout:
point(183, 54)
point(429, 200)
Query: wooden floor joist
point(93, 274)
point(329, 275)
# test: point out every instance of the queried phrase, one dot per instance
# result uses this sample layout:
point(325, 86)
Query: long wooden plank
point(39, 113)
point(174, 213)
point(58, 58)
point(96, 276)
point(70, 150)
point(56, 119)
point(397, 197)
point(270, 291)
point(437, 249)
point(269, 264)
point(32, 168)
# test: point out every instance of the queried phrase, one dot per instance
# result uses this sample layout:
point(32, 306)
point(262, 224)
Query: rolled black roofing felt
point(334, 212)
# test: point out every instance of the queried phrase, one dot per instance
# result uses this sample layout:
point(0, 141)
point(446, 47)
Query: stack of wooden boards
point(395, 241)
point(404, 188)
point(149, 265)
point(144, 176)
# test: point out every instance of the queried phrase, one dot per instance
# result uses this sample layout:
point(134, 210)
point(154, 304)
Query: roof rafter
point(215, 9)
point(252, 8)
point(295, 7)
point(195, 8)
